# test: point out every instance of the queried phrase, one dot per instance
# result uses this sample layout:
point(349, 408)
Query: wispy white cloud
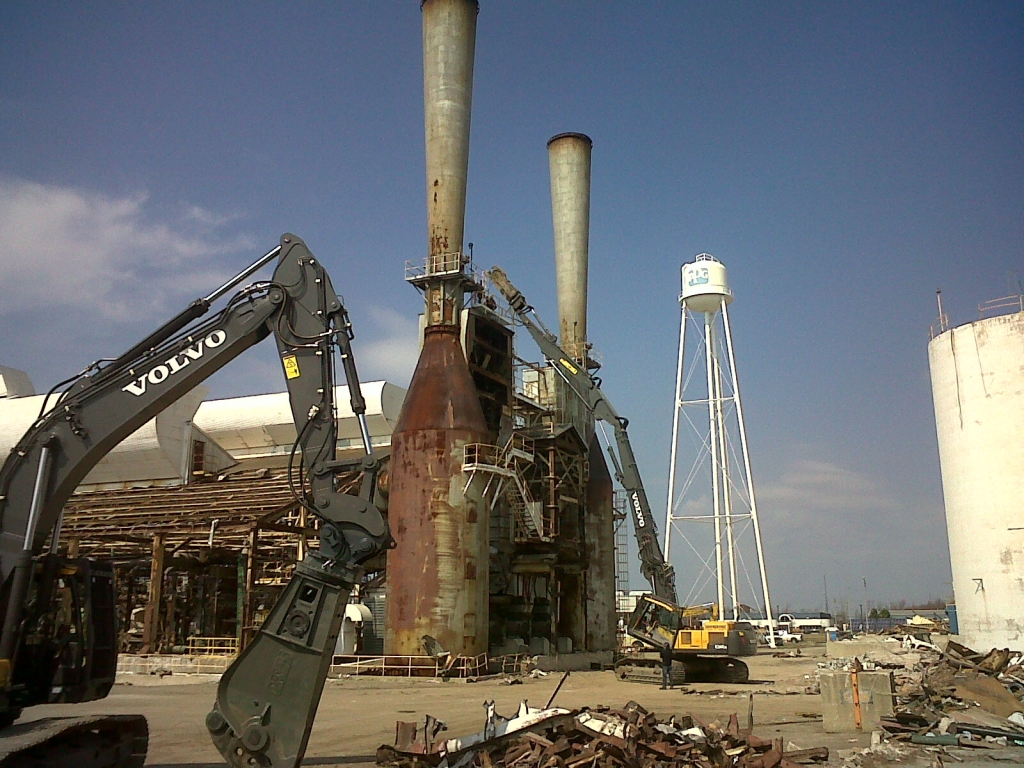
point(389, 348)
point(810, 487)
point(207, 218)
point(822, 518)
point(81, 249)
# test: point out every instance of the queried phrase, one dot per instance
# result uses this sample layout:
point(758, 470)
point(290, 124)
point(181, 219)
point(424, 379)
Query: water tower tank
point(705, 284)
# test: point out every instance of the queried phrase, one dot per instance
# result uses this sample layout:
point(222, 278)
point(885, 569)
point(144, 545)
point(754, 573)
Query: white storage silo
point(977, 373)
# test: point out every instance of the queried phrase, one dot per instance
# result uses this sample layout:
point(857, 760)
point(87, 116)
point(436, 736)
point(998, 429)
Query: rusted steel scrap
point(959, 697)
point(599, 737)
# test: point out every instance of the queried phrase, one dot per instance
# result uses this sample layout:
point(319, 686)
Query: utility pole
point(866, 607)
point(824, 577)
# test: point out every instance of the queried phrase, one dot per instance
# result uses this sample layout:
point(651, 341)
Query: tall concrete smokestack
point(449, 43)
point(438, 576)
point(569, 158)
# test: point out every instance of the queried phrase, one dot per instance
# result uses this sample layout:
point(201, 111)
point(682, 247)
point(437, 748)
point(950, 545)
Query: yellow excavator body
point(704, 646)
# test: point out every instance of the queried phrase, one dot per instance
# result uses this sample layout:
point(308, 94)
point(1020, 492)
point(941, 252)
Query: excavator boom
point(268, 698)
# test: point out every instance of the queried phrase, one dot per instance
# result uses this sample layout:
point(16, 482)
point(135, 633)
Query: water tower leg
point(674, 452)
point(726, 483)
point(709, 357)
point(750, 478)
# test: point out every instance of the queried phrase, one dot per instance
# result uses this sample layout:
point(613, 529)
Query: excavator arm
point(267, 699)
point(659, 573)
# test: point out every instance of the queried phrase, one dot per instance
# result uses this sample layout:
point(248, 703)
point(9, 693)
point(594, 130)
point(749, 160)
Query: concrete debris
point(598, 737)
point(893, 650)
point(878, 752)
point(958, 678)
point(959, 698)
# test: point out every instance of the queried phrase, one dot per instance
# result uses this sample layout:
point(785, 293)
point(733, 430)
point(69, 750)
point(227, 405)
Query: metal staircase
point(504, 467)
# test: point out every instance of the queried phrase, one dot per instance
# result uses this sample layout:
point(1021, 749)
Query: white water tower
point(717, 491)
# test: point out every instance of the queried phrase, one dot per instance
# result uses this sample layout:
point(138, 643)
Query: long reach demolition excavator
point(704, 647)
point(58, 641)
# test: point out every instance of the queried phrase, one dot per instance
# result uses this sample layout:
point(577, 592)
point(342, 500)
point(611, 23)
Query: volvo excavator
point(58, 641)
point(704, 648)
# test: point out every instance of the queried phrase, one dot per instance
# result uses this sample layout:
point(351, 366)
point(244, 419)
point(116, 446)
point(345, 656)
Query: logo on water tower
point(698, 276)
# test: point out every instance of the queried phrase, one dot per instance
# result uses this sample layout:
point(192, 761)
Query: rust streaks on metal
point(441, 533)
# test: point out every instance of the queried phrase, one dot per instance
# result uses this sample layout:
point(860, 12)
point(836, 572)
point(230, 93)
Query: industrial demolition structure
point(500, 499)
point(498, 494)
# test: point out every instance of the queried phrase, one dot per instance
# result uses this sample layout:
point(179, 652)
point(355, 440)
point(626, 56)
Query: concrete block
point(540, 646)
point(510, 647)
point(837, 708)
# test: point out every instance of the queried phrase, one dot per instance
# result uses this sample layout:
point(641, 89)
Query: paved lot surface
point(358, 715)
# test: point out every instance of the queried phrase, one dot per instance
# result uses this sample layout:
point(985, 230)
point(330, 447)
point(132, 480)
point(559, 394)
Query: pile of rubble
point(929, 680)
point(598, 737)
point(960, 697)
point(945, 679)
point(940, 697)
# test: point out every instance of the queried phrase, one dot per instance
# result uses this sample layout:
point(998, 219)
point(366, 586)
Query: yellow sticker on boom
point(291, 367)
point(569, 365)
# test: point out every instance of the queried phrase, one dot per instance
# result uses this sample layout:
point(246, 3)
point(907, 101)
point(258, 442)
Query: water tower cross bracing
point(712, 509)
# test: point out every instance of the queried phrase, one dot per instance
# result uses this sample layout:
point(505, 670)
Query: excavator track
point(100, 741)
point(734, 671)
point(637, 672)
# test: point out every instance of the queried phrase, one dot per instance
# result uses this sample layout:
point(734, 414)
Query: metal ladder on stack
point(621, 556)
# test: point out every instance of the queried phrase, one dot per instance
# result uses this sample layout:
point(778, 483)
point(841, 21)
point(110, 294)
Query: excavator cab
point(654, 621)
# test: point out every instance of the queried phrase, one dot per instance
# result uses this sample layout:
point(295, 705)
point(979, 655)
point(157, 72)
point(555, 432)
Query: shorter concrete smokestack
point(569, 158)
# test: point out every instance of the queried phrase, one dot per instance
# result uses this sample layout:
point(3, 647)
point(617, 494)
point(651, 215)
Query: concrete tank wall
point(977, 373)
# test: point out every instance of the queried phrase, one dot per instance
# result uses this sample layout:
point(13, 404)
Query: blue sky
point(843, 159)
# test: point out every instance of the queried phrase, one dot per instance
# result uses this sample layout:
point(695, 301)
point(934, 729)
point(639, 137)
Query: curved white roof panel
point(154, 452)
point(261, 426)
point(257, 428)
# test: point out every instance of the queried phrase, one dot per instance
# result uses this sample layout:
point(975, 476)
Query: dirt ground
point(358, 715)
